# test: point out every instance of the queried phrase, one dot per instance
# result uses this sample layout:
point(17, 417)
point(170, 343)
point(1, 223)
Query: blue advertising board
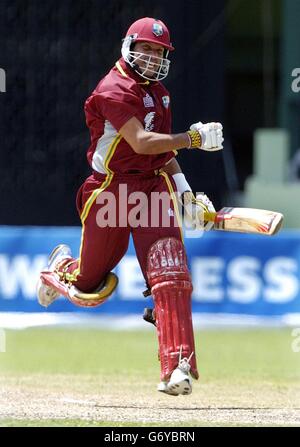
point(232, 273)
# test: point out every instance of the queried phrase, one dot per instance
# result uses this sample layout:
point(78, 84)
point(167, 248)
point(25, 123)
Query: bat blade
point(247, 220)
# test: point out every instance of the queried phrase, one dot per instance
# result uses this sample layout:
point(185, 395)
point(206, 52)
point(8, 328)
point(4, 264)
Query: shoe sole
point(45, 302)
point(51, 257)
point(180, 388)
point(184, 387)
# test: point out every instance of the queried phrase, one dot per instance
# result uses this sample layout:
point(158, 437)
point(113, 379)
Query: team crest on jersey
point(166, 101)
point(149, 118)
point(148, 101)
point(157, 29)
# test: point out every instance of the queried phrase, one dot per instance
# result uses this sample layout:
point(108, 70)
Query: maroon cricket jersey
point(119, 96)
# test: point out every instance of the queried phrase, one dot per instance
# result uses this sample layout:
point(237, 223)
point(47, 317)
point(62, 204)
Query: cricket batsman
point(129, 119)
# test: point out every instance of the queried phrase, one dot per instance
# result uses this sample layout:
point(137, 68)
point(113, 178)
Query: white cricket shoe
point(180, 382)
point(46, 295)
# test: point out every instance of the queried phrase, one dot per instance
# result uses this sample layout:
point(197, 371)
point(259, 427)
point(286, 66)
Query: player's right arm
point(203, 136)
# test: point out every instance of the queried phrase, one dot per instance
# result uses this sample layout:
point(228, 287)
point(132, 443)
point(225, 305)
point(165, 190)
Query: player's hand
point(211, 136)
point(195, 209)
point(204, 202)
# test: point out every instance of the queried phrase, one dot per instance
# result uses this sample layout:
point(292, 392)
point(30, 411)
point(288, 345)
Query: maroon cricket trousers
point(112, 207)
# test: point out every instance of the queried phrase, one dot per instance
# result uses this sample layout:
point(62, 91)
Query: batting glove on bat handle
point(209, 210)
point(208, 137)
point(199, 210)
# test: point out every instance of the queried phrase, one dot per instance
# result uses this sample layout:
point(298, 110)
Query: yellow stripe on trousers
point(94, 196)
point(73, 276)
point(106, 182)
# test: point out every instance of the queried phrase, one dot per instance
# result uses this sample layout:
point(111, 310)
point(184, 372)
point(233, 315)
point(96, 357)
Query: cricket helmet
point(153, 31)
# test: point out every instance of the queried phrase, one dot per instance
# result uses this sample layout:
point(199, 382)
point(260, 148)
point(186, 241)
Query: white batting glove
point(211, 136)
point(195, 209)
point(202, 199)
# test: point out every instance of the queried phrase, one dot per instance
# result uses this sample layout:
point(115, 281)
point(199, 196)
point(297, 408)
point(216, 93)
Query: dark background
point(55, 52)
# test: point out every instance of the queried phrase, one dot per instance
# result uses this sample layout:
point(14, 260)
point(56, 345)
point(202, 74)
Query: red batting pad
point(171, 288)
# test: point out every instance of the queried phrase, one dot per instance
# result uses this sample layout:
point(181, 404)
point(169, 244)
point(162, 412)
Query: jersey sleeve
point(118, 106)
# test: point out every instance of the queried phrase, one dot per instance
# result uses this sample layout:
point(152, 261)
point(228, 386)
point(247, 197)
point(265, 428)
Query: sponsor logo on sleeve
point(148, 101)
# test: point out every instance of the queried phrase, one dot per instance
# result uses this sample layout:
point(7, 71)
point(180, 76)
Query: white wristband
point(181, 183)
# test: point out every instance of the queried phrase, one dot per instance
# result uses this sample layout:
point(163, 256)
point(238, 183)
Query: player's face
point(149, 49)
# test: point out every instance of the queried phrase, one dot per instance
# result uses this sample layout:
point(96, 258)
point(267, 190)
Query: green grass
point(222, 355)
point(238, 369)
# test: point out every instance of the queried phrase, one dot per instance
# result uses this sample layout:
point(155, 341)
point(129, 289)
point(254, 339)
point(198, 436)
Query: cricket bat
point(246, 220)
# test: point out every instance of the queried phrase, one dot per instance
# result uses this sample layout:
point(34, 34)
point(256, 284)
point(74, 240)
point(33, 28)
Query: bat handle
point(209, 217)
